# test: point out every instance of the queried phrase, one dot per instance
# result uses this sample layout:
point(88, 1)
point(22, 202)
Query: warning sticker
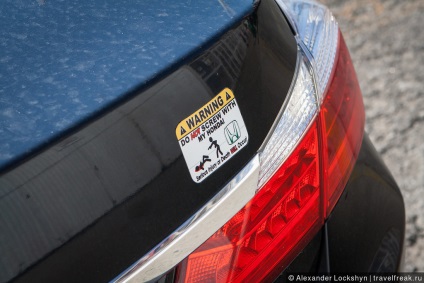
point(212, 135)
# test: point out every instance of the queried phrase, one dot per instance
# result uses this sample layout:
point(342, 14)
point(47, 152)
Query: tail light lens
point(342, 124)
point(305, 163)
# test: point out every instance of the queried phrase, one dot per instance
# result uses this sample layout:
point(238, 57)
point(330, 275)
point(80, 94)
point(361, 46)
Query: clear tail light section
point(305, 162)
point(317, 31)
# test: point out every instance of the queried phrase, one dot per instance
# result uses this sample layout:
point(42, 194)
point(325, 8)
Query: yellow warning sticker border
point(205, 112)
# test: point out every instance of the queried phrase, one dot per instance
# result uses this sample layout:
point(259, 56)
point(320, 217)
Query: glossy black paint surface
point(371, 208)
point(96, 201)
point(366, 229)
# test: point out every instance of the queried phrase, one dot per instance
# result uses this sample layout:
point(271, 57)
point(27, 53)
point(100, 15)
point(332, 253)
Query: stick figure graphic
point(200, 166)
point(214, 143)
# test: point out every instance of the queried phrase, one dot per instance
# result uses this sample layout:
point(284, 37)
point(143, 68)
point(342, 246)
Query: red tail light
point(342, 121)
point(265, 236)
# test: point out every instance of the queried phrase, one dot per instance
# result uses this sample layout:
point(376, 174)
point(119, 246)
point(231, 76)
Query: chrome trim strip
point(284, 9)
point(198, 228)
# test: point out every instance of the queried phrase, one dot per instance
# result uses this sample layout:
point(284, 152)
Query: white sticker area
point(212, 135)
